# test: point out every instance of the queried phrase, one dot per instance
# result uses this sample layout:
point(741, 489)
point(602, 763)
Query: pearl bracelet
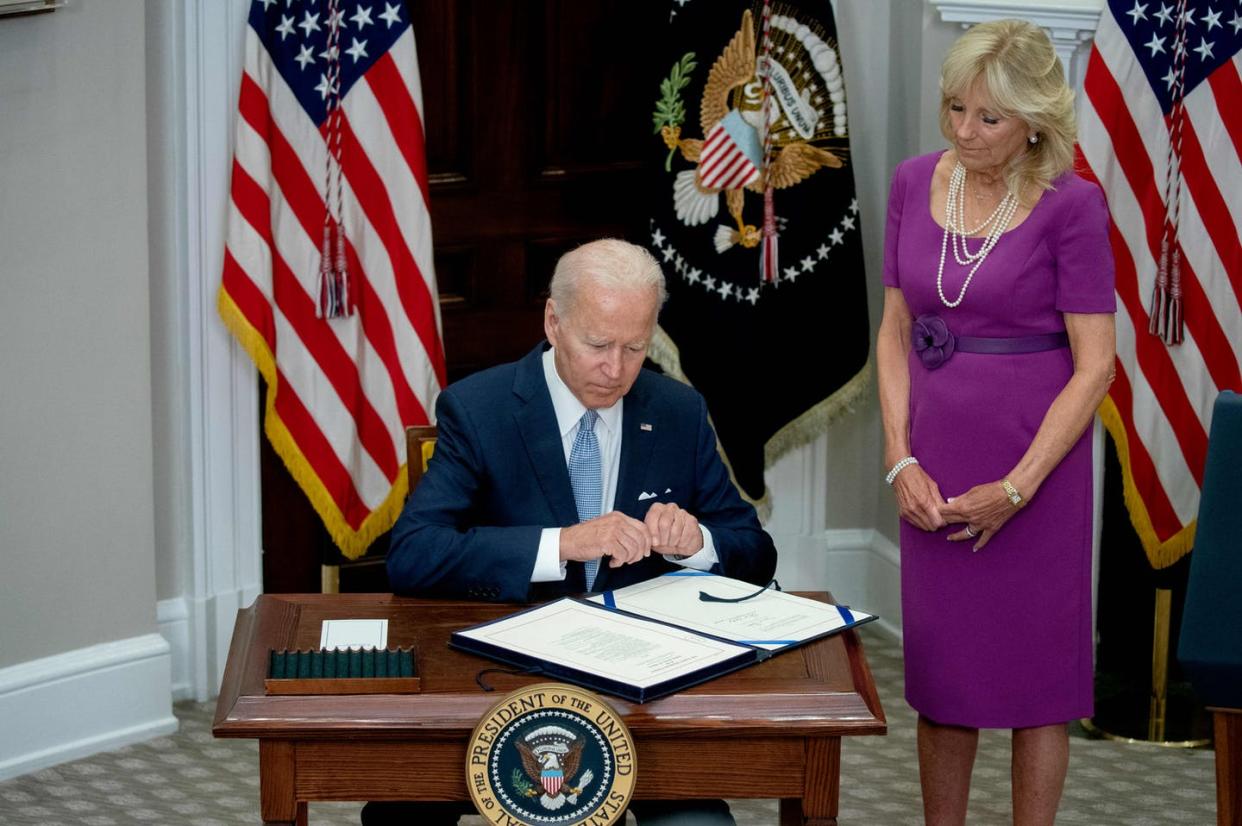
point(898, 468)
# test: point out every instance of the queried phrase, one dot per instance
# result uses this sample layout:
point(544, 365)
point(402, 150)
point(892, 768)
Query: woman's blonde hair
point(1021, 73)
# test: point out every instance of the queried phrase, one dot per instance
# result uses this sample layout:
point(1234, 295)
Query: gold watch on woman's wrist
point(1015, 498)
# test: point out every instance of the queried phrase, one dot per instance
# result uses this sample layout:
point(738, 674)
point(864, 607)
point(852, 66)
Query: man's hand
point(673, 530)
point(615, 535)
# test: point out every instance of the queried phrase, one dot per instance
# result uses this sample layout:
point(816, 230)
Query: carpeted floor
point(191, 778)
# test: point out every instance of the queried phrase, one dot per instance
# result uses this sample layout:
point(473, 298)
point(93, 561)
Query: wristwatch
point(1015, 498)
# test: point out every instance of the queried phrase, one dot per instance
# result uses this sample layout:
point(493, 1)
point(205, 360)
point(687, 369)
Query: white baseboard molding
point(78, 703)
point(172, 617)
point(861, 567)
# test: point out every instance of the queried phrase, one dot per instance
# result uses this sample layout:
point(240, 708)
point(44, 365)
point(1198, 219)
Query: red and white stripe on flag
point(340, 391)
point(1158, 408)
point(723, 163)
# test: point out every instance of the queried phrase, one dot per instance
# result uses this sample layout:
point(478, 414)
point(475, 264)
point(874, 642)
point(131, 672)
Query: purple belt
point(935, 343)
point(1019, 344)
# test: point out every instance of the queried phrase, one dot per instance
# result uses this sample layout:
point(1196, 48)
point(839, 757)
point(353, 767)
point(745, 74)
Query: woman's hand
point(918, 498)
point(984, 509)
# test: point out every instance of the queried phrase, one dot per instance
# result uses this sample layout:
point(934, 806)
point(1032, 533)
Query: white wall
point(77, 592)
point(75, 420)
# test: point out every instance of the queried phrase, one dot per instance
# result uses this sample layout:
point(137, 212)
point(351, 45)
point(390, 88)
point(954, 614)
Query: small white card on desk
point(354, 633)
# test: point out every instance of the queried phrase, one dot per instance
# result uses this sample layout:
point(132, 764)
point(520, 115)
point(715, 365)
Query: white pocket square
point(642, 497)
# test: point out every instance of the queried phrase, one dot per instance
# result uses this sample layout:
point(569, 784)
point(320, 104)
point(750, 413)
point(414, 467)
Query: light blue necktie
point(586, 478)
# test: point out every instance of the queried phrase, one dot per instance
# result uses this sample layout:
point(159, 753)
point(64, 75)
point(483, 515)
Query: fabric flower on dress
point(932, 340)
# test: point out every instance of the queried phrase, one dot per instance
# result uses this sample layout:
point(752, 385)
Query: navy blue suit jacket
point(498, 478)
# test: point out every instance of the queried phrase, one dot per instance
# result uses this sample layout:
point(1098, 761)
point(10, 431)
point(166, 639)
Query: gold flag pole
point(1159, 666)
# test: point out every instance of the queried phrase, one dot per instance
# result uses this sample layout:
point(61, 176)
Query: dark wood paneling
point(595, 105)
point(445, 72)
point(455, 278)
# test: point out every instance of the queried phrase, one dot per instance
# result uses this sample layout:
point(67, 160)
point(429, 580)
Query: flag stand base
point(1094, 732)
point(1173, 719)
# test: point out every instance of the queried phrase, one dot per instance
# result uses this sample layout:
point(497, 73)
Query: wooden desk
point(772, 730)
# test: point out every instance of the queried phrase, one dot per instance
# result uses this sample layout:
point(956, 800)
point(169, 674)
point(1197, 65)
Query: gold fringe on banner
point(801, 431)
point(351, 543)
point(1159, 554)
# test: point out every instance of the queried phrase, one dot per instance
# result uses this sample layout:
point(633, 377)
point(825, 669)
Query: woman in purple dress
point(995, 349)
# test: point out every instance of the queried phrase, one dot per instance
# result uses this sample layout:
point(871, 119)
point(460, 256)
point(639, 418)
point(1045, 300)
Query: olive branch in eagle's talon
point(670, 110)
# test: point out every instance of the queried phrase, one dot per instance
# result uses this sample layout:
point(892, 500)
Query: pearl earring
point(1033, 139)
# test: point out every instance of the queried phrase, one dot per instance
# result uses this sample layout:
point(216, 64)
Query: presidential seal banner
point(755, 221)
point(551, 754)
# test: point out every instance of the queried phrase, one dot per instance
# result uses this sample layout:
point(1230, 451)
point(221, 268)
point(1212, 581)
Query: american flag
point(341, 390)
point(1160, 128)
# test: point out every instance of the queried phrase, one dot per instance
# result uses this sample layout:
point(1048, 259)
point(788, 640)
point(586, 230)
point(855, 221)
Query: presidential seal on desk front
point(550, 754)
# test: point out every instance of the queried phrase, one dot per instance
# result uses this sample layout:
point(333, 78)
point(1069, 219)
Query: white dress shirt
point(548, 564)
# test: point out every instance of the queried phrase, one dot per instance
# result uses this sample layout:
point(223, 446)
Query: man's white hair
point(608, 262)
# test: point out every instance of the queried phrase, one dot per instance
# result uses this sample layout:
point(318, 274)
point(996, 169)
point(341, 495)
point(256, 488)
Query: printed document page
point(604, 643)
point(771, 620)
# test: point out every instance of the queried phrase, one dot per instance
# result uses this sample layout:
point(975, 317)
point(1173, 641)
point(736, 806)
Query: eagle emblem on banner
point(807, 107)
point(754, 220)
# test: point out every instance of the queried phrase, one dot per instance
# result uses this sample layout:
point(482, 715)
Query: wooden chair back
point(420, 442)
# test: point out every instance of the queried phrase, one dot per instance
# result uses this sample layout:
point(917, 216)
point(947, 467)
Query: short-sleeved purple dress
point(999, 638)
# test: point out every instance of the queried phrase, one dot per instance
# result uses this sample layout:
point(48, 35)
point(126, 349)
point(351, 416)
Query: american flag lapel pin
point(644, 426)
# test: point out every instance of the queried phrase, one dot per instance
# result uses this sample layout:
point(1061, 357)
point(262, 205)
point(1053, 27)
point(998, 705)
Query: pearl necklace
point(955, 226)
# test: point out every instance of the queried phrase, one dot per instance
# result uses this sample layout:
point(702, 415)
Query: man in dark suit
point(571, 470)
point(495, 515)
